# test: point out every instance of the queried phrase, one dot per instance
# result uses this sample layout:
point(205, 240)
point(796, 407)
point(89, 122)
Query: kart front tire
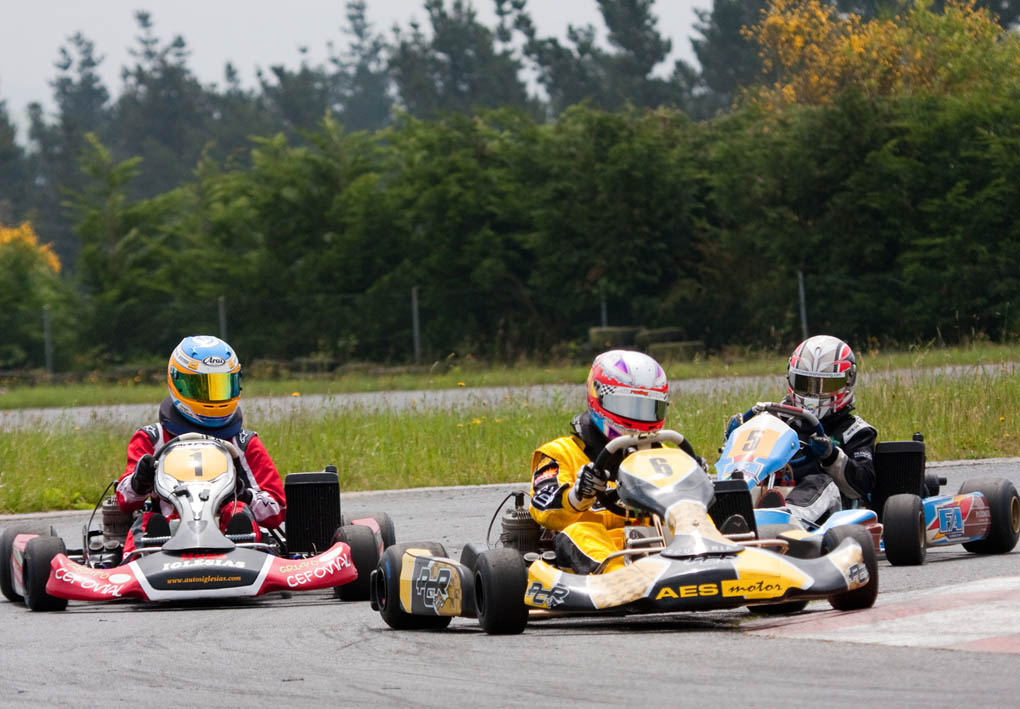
point(904, 534)
point(1004, 505)
point(863, 597)
point(364, 555)
point(501, 578)
point(386, 590)
point(39, 552)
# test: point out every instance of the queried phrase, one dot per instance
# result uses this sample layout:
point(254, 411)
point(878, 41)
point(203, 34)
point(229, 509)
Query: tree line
point(875, 154)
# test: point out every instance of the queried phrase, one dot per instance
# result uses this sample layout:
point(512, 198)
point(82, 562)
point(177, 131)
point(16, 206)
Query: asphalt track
point(947, 632)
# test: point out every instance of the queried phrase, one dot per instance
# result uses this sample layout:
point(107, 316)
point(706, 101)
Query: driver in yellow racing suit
point(627, 394)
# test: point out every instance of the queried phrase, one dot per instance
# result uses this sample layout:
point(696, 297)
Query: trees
point(459, 68)
point(29, 281)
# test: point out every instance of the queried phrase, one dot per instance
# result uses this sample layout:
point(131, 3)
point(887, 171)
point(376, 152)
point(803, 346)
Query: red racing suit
point(255, 467)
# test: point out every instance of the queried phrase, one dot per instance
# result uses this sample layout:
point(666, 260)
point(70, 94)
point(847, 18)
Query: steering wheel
point(607, 463)
point(788, 411)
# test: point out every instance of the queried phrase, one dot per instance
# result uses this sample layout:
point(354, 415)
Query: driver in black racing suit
point(841, 468)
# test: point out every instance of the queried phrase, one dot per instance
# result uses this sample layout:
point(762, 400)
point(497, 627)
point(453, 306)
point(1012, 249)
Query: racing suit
point(845, 476)
point(586, 537)
point(255, 470)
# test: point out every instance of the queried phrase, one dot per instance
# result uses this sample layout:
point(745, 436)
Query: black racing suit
point(846, 475)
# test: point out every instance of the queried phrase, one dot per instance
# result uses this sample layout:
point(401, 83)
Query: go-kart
point(189, 557)
point(681, 562)
point(984, 516)
point(758, 453)
point(905, 513)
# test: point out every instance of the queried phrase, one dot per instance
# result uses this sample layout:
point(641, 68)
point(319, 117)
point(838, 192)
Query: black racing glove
point(588, 483)
point(144, 476)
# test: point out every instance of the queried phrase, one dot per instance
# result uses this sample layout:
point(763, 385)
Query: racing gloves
point(589, 482)
point(144, 475)
point(821, 447)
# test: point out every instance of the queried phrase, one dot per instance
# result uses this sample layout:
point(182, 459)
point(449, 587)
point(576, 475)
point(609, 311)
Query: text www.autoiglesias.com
point(205, 579)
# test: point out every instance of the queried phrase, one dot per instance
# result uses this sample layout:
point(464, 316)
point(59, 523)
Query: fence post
point(47, 339)
point(415, 326)
point(803, 306)
point(221, 303)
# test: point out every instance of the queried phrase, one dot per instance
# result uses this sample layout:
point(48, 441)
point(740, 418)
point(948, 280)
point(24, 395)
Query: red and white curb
point(981, 616)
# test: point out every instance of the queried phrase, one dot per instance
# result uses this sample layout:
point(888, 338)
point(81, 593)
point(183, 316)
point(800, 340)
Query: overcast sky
point(249, 33)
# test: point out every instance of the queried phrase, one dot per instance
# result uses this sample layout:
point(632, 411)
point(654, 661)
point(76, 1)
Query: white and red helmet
point(627, 393)
point(821, 375)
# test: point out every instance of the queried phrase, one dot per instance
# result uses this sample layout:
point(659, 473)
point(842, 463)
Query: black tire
point(364, 554)
point(1005, 508)
point(932, 483)
point(6, 546)
point(386, 591)
point(863, 597)
point(904, 534)
point(39, 552)
point(386, 527)
point(784, 608)
point(501, 578)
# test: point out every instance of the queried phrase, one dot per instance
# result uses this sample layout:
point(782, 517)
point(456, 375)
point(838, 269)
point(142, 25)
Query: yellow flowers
point(295, 393)
point(25, 236)
point(814, 52)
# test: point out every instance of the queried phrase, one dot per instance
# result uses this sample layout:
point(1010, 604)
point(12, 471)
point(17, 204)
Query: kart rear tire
point(364, 554)
point(387, 590)
point(1004, 504)
point(863, 597)
point(904, 533)
point(784, 608)
point(501, 578)
point(386, 527)
point(39, 552)
point(6, 573)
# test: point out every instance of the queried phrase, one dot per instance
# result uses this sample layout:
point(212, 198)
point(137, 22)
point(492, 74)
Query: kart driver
point(204, 378)
point(820, 378)
point(627, 394)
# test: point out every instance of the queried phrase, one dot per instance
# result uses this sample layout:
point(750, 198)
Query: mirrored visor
point(814, 385)
point(221, 386)
point(635, 408)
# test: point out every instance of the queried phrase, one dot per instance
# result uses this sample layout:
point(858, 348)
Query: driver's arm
point(127, 499)
point(551, 481)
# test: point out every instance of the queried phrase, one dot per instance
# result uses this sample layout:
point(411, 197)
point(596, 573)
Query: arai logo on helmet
point(214, 361)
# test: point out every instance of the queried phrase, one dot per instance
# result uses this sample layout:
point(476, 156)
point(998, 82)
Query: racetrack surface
point(945, 632)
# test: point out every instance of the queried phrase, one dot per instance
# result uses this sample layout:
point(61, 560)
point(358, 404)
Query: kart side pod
point(419, 580)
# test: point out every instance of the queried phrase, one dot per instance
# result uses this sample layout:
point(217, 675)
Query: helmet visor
point(218, 386)
point(635, 408)
point(815, 384)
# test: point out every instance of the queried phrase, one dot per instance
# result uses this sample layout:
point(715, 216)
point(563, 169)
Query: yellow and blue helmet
point(204, 376)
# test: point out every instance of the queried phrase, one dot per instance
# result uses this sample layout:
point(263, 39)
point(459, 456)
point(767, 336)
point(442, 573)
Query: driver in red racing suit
point(627, 394)
point(203, 376)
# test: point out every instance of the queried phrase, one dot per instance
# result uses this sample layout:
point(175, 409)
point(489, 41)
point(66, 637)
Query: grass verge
point(970, 417)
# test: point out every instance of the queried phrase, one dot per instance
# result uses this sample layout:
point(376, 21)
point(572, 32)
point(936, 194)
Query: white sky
point(249, 33)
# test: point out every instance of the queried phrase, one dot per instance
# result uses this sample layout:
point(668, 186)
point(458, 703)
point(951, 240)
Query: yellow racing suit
point(587, 536)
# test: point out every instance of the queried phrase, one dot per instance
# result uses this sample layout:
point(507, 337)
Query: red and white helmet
point(627, 393)
point(821, 375)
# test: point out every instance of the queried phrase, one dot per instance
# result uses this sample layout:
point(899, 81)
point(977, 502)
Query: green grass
point(468, 373)
point(972, 417)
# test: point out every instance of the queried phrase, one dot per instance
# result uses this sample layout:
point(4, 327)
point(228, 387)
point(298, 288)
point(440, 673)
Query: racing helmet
point(204, 377)
point(627, 393)
point(821, 375)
